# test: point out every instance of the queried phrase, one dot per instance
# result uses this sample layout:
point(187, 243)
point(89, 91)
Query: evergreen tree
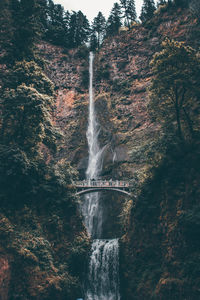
point(27, 103)
point(79, 29)
point(181, 3)
point(26, 28)
point(195, 7)
point(56, 24)
point(93, 41)
point(161, 2)
point(6, 31)
point(129, 11)
point(42, 14)
point(26, 19)
point(99, 26)
point(175, 88)
point(114, 20)
point(148, 9)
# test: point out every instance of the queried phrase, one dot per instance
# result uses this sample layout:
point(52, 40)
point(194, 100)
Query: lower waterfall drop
point(102, 281)
point(103, 277)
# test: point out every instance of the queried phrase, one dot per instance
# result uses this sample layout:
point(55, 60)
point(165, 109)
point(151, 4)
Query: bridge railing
point(102, 183)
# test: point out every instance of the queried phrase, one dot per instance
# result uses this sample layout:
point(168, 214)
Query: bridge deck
point(102, 183)
point(90, 186)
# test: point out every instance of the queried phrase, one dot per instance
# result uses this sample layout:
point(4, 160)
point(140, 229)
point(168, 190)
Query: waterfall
point(91, 208)
point(103, 271)
point(103, 278)
point(94, 161)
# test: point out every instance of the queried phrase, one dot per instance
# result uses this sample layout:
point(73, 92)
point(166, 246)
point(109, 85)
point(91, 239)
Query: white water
point(103, 277)
point(103, 271)
point(91, 208)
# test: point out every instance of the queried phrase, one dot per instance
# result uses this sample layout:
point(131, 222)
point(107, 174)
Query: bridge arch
point(97, 189)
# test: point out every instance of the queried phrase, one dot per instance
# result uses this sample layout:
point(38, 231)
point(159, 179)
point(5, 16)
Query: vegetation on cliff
point(160, 251)
point(43, 239)
point(175, 88)
point(162, 223)
point(152, 140)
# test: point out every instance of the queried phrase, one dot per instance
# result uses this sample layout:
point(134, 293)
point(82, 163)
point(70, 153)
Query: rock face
point(160, 250)
point(155, 239)
point(122, 78)
point(43, 243)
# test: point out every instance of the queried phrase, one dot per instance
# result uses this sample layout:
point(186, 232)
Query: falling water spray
point(103, 277)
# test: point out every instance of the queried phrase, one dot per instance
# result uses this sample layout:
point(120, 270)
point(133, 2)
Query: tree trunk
point(189, 122)
point(179, 123)
point(178, 115)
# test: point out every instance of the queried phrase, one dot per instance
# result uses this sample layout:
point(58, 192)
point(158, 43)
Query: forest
point(145, 90)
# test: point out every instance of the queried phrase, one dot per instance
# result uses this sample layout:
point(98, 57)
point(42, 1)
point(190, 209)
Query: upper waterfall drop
point(95, 158)
point(91, 208)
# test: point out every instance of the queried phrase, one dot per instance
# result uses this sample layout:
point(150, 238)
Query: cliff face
point(43, 249)
point(43, 243)
point(122, 77)
point(159, 247)
point(160, 250)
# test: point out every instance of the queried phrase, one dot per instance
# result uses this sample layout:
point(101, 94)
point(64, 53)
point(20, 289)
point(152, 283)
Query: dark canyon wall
point(160, 226)
point(42, 248)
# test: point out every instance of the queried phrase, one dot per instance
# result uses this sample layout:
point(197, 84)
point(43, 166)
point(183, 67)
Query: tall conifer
point(99, 26)
point(148, 9)
point(79, 29)
point(114, 20)
point(129, 11)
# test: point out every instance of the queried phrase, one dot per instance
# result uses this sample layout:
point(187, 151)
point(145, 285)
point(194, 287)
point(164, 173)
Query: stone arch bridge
point(91, 186)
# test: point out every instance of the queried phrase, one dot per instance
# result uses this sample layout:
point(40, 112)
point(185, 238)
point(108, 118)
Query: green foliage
point(23, 117)
point(64, 28)
point(29, 73)
point(98, 28)
point(93, 42)
point(77, 255)
point(174, 91)
point(190, 223)
point(79, 29)
point(15, 168)
point(148, 9)
point(22, 23)
point(27, 108)
point(129, 11)
point(84, 78)
point(114, 20)
point(82, 52)
point(39, 215)
point(6, 32)
point(57, 24)
point(103, 73)
point(27, 180)
point(194, 6)
point(181, 3)
point(26, 24)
